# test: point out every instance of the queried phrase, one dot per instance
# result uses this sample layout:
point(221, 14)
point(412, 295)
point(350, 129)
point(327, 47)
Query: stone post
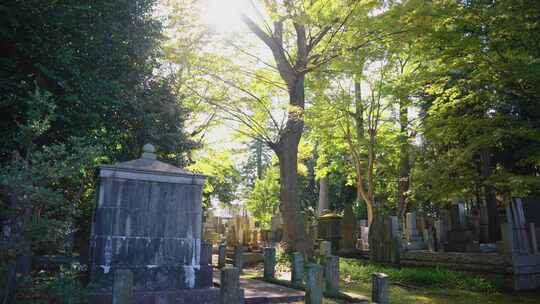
point(230, 292)
point(379, 288)
point(222, 251)
point(314, 285)
point(325, 248)
point(532, 234)
point(206, 253)
point(269, 262)
point(297, 271)
point(331, 274)
point(122, 287)
point(237, 260)
point(323, 195)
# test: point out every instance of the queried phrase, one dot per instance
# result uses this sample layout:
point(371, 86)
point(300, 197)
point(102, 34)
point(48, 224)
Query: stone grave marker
point(348, 230)
point(460, 238)
point(413, 239)
point(148, 220)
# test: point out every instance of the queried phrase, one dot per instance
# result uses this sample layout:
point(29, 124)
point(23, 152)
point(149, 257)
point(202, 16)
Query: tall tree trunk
point(258, 151)
point(359, 122)
point(494, 225)
point(404, 161)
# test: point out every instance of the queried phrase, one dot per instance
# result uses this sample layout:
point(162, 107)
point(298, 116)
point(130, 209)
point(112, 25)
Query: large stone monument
point(148, 221)
point(413, 239)
point(460, 237)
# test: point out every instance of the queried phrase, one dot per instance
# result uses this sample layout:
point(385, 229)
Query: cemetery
point(276, 151)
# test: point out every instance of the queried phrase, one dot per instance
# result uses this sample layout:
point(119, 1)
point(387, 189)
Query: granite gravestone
point(148, 220)
point(460, 237)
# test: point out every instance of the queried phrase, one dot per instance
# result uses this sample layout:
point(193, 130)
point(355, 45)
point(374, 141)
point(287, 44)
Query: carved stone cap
point(149, 151)
point(149, 168)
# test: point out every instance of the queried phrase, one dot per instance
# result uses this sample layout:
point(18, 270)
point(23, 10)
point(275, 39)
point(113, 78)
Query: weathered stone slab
point(380, 284)
point(269, 262)
point(297, 271)
point(314, 284)
point(123, 287)
point(325, 248)
point(331, 274)
point(238, 260)
point(230, 292)
point(222, 252)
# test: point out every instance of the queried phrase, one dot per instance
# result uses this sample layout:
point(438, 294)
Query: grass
point(424, 285)
point(354, 270)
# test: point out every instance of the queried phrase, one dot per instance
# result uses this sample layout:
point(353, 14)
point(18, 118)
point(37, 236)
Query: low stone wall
point(480, 262)
point(483, 262)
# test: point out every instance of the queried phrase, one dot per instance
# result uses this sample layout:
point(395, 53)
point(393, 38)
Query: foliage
point(77, 88)
point(222, 176)
point(263, 200)
point(439, 277)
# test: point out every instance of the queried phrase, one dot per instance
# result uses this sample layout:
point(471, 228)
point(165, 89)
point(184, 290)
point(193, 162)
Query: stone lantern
point(148, 220)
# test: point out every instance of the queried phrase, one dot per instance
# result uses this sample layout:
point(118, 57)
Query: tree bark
point(494, 225)
point(404, 161)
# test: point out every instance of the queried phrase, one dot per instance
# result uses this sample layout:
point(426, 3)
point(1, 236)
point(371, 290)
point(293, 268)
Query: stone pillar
point(379, 288)
point(331, 274)
point(532, 234)
point(325, 248)
point(206, 253)
point(323, 194)
point(314, 285)
point(222, 252)
point(269, 262)
point(122, 287)
point(230, 292)
point(237, 260)
point(297, 271)
point(412, 232)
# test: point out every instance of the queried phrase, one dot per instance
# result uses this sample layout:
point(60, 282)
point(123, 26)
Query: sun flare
point(224, 15)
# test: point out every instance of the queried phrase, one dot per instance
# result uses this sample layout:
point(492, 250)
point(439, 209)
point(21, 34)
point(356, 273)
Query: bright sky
point(224, 15)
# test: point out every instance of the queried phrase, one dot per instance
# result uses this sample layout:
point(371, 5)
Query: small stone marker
point(237, 260)
point(269, 262)
point(314, 285)
point(297, 271)
point(331, 274)
point(222, 251)
point(325, 248)
point(230, 292)
point(379, 288)
point(122, 287)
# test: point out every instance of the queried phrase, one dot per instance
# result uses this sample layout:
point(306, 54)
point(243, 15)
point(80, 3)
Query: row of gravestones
point(320, 279)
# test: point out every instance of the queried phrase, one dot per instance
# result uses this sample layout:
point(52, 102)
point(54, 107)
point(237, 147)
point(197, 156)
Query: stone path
point(257, 291)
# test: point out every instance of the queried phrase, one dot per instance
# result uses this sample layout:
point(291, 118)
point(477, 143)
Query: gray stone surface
point(222, 255)
point(123, 287)
point(269, 262)
point(230, 292)
point(325, 248)
point(148, 220)
point(314, 284)
point(331, 274)
point(297, 271)
point(515, 218)
point(238, 260)
point(532, 237)
point(380, 284)
point(206, 253)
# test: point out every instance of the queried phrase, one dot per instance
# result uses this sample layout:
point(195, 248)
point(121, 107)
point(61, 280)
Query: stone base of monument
point(417, 245)
point(186, 296)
